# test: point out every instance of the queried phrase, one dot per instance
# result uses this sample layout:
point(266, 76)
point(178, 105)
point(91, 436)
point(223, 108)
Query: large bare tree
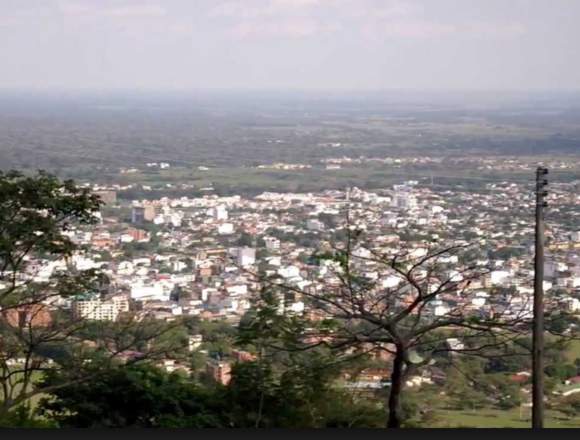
point(411, 301)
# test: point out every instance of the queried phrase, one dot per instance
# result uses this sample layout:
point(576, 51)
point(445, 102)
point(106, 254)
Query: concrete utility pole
point(538, 330)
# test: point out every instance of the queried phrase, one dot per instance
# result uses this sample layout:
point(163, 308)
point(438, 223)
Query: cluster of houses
point(206, 256)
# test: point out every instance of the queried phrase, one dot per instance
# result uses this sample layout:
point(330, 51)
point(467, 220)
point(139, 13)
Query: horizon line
point(282, 90)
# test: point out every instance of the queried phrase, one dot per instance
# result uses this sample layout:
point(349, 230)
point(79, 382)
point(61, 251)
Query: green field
point(573, 352)
point(493, 418)
point(35, 399)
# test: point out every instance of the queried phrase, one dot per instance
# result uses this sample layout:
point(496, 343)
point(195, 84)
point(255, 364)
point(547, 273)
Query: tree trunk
point(394, 420)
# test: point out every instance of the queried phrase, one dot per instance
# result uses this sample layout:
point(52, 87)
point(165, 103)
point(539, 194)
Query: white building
point(274, 261)
point(314, 225)
point(404, 197)
point(178, 266)
point(149, 292)
point(226, 229)
point(439, 308)
point(499, 276)
point(289, 271)
point(390, 282)
point(455, 344)
point(101, 310)
point(573, 305)
point(246, 256)
point(238, 289)
point(125, 268)
point(126, 238)
point(194, 342)
point(219, 212)
point(480, 299)
point(272, 243)
point(296, 307)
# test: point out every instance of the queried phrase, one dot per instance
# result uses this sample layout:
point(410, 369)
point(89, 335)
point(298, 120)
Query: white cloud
point(297, 28)
point(95, 10)
point(424, 29)
point(407, 29)
point(371, 20)
point(408, 20)
point(339, 43)
point(388, 9)
point(263, 8)
point(136, 11)
point(294, 3)
point(496, 30)
point(273, 18)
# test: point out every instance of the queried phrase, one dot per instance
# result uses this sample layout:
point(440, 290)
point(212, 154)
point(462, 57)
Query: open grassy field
point(573, 351)
point(494, 418)
point(251, 180)
point(34, 400)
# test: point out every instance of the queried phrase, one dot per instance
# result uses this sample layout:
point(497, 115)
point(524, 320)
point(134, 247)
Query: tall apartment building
point(142, 214)
point(101, 310)
point(246, 256)
point(404, 197)
point(220, 212)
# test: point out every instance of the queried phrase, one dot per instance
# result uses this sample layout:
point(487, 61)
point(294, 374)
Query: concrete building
point(499, 277)
point(142, 214)
point(246, 256)
point(137, 235)
point(101, 310)
point(36, 315)
point(220, 371)
point(194, 342)
point(226, 229)
point(404, 197)
point(151, 292)
point(272, 243)
point(219, 213)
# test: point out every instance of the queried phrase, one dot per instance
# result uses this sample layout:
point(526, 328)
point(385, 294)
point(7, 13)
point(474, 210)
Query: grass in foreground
point(494, 418)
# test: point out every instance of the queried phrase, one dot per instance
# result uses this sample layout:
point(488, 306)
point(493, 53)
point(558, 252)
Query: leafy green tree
point(22, 417)
point(561, 371)
point(460, 384)
point(261, 394)
point(37, 333)
point(35, 214)
point(290, 387)
point(138, 396)
point(508, 394)
point(245, 240)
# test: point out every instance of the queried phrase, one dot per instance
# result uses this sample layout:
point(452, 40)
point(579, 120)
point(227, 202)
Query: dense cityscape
point(208, 258)
point(289, 214)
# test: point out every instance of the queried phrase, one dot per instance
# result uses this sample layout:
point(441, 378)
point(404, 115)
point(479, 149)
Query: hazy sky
point(282, 44)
